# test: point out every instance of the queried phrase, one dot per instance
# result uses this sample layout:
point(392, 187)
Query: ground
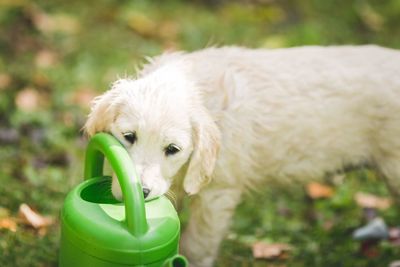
point(55, 56)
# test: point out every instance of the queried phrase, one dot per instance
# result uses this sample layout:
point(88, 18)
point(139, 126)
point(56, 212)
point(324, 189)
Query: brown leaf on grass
point(33, 218)
point(12, 3)
point(165, 30)
point(42, 231)
point(143, 25)
point(5, 80)
point(27, 99)
point(262, 250)
point(316, 190)
point(53, 23)
point(40, 80)
point(8, 223)
point(46, 58)
point(366, 200)
point(370, 17)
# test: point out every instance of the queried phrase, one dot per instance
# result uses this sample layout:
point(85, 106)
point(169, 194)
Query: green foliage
point(56, 55)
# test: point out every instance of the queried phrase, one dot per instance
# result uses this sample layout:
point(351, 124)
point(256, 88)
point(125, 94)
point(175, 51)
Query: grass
point(56, 55)
point(319, 230)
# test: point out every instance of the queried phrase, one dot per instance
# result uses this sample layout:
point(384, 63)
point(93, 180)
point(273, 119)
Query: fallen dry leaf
point(42, 231)
point(9, 224)
point(316, 190)
point(143, 25)
point(262, 250)
point(46, 58)
point(27, 99)
point(366, 200)
point(33, 218)
point(40, 80)
point(12, 3)
point(53, 23)
point(370, 17)
point(5, 80)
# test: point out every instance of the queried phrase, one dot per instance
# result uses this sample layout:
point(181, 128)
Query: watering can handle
point(105, 145)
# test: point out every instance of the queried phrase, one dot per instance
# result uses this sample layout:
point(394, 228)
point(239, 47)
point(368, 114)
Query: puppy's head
point(163, 125)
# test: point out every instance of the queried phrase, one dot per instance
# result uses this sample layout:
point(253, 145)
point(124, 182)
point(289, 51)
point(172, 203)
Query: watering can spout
point(176, 261)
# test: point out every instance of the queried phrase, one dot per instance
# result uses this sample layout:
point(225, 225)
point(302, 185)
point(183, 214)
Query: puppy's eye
point(130, 137)
point(172, 149)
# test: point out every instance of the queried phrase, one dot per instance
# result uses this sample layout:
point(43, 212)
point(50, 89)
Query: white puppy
point(223, 120)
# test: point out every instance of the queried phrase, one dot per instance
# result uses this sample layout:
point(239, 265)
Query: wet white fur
point(245, 118)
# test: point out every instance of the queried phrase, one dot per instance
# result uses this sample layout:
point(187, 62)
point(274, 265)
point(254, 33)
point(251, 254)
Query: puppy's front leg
point(211, 213)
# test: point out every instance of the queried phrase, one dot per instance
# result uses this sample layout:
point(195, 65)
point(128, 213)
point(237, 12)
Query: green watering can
point(99, 231)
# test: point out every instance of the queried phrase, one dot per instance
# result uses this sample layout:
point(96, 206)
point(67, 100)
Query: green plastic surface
point(98, 230)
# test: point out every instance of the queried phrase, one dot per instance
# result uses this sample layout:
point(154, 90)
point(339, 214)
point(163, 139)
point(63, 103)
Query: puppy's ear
point(206, 136)
point(102, 114)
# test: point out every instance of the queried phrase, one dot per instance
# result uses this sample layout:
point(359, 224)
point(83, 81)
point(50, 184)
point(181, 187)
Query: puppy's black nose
point(146, 192)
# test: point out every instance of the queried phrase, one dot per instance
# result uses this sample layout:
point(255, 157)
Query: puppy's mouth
point(148, 193)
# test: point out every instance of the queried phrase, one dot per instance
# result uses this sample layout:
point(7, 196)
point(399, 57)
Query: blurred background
point(55, 56)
